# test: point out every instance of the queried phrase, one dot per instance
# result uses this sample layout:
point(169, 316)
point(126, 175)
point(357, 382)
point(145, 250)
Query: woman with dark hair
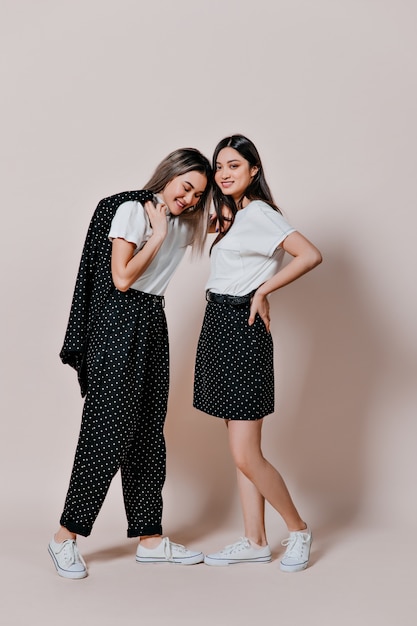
point(234, 375)
point(117, 341)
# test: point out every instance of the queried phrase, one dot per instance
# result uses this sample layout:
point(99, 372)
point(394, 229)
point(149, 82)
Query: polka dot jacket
point(93, 283)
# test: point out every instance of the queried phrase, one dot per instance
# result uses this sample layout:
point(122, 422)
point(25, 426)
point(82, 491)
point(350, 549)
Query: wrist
point(261, 291)
point(158, 238)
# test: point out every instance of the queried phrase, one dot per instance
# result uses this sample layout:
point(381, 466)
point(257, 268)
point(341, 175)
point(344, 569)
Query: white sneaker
point(297, 553)
point(240, 552)
point(68, 561)
point(168, 552)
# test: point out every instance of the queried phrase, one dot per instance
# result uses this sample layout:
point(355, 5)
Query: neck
point(242, 202)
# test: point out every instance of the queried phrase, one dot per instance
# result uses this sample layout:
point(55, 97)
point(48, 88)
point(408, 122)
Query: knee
point(245, 447)
point(244, 462)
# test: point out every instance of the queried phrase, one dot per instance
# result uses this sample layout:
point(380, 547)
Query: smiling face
point(184, 191)
point(233, 173)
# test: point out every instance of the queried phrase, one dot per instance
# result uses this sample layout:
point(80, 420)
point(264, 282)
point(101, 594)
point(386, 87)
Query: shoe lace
point(239, 545)
point(294, 544)
point(169, 545)
point(71, 554)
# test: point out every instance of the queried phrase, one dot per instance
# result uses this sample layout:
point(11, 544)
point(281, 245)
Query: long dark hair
point(258, 188)
point(175, 164)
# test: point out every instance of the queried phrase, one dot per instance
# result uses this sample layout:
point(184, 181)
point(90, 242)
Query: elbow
point(120, 284)
point(317, 258)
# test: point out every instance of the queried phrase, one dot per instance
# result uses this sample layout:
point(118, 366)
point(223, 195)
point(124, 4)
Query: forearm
point(296, 268)
point(126, 267)
point(305, 256)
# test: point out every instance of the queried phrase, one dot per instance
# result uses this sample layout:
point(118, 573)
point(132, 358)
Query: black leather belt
point(222, 298)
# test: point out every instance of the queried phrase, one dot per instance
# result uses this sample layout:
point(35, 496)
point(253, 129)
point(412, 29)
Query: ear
point(254, 170)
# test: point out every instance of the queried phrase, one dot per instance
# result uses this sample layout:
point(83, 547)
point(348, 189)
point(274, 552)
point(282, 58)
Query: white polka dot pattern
point(234, 371)
point(94, 281)
point(124, 412)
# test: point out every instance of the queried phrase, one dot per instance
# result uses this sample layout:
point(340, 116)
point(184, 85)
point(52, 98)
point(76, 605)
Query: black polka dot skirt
point(123, 416)
point(234, 370)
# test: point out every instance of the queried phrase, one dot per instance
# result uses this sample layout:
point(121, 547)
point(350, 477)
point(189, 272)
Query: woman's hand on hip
point(260, 306)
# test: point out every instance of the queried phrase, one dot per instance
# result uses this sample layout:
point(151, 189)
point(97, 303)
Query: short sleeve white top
point(132, 224)
point(249, 254)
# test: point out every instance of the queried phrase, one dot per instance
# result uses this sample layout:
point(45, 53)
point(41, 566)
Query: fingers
point(155, 213)
point(212, 225)
point(252, 315)
point(265, 318)
point(267, 323)
point(262, 309)
point(151, 208)
point(157, 217)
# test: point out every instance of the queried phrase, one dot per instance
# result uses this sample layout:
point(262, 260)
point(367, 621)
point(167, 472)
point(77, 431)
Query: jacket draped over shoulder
point(93, 283)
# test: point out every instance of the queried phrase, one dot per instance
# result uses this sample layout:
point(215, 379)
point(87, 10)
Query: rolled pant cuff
point(74, 527)
point(145, 530)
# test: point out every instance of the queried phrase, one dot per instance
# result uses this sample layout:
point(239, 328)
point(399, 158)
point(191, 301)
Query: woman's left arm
point(305, 257)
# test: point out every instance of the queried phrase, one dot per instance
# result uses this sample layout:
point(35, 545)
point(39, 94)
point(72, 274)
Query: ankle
point(258, 542)
point(150, 541)
point(299, 528)
point(64, 534)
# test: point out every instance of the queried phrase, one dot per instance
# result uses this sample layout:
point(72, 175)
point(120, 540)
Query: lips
point(226, 184)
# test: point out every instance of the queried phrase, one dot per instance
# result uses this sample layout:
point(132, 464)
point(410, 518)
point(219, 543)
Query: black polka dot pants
point(123, 417)
point(234, 370)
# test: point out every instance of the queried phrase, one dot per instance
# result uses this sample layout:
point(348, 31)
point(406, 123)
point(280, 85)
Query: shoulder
point(130, 213)
point(262, 212)
point(108, 206)
point(140, 195)
point(128, 207)
point(260, 206)
point(258, 210)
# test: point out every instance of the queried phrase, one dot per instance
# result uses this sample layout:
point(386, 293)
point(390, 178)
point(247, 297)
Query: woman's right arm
point(127, 267)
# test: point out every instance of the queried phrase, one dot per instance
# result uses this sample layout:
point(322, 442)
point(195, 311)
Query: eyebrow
point(229, 161)
point(188, 183)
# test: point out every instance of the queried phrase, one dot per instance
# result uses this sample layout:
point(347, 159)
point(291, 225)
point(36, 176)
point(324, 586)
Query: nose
point(189, 198)
point(225, 174)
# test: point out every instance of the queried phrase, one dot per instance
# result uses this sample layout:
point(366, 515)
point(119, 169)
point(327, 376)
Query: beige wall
point(95, 93)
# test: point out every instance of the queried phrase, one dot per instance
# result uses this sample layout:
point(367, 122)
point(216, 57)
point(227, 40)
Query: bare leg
point(63, 534)
point(253, 509)
point(263, 480)
point(150, 541)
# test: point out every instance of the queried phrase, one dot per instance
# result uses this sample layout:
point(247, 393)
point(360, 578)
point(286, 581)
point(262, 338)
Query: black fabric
point(222, 298)
point(234, 369)
point(123, 416)
point(94, 282)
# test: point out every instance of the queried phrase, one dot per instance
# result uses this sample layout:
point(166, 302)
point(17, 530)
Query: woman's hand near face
point(214, 224)
point(157, 217)
point(126, 266)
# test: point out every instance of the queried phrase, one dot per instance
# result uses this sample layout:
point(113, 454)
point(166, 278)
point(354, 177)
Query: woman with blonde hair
point(117, 341)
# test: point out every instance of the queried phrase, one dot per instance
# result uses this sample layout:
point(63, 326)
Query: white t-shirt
point(132, 224)
point(249, 254)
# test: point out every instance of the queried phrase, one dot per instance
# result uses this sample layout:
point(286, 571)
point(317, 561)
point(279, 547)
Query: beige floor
point(357, 576)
